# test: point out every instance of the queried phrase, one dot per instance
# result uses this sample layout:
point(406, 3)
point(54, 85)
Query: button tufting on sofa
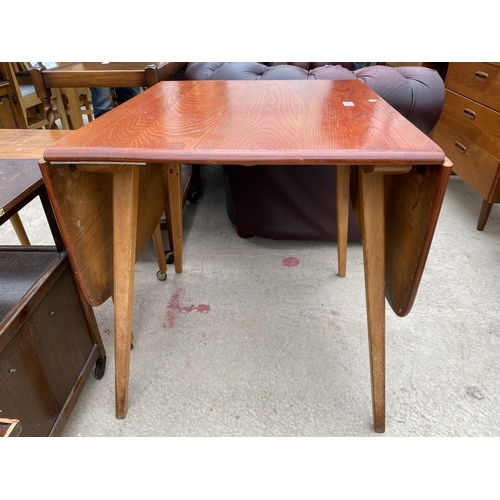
point(297, 202)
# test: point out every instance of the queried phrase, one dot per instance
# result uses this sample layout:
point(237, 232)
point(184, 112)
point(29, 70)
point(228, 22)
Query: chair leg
point(61, 110)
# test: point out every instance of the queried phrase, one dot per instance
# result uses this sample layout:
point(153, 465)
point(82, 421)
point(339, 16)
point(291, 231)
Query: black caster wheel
point(193, 197)
point(161, 276)
point(100, 368)
point(169, 255)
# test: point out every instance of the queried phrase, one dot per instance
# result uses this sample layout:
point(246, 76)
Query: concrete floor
point(241, 345)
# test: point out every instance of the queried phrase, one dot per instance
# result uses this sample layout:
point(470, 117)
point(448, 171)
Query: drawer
point(473, 164)
point(478, 81)
point(478, 123)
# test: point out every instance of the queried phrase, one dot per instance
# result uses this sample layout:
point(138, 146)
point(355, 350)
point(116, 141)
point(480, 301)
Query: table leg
point(174, 211)
point(19, 229)
point(343, 177)
point(160, 253)
point(373, 232)
point(125, 208)
point(51, 219)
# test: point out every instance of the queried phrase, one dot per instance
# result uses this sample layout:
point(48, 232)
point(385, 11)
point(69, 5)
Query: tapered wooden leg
point(160, 253)
point(343, 177)
point(125, 203)
point(19, 229)
point(131, 331)
point(373, 234)
point(483, 216)
point(174, 212)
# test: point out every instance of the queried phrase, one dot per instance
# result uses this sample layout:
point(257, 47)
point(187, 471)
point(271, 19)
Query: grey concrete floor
point(241, 345)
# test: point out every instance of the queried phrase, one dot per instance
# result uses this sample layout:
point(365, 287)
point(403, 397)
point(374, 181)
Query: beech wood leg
point(75, 110)
point(343, 175)
point(19, 229)
point(174, 212)
point(373, 231)
point(160, 253)
point(125, 208)
point(484, 214)
point(131, 331)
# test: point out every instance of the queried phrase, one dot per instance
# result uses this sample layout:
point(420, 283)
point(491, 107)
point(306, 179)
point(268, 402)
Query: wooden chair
point(78, 104)
point(78, 101)
point(28, 106)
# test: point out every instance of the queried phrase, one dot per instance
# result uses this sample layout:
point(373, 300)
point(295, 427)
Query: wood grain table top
point(20, 174)
point(249, 123)
point(25, 143)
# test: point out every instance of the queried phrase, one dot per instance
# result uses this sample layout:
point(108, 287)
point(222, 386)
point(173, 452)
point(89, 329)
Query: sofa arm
point(416, 92)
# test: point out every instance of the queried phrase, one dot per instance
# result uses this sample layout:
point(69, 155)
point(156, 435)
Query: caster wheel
point(169, 256)
point(161, 276)
point(193, 196)
point(100, 368)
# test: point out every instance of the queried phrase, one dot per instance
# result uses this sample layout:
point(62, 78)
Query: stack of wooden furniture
point(21, 108)
point(469, 129)
point(25, 105)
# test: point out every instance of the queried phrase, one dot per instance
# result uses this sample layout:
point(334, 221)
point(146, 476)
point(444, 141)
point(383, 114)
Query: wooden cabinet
point(469, 129)
point(49, 340)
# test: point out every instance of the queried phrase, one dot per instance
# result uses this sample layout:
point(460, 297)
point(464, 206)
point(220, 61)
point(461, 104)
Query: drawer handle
point(460, 147)
point(481, 75)
point(469, 114)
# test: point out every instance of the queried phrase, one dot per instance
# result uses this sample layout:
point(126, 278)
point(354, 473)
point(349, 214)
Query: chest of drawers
point(469, 129)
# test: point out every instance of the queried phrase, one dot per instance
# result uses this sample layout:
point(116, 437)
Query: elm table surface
point(343, 123)
point(252, 122)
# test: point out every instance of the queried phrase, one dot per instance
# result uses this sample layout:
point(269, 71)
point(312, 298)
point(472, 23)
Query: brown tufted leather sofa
point(293, 202)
